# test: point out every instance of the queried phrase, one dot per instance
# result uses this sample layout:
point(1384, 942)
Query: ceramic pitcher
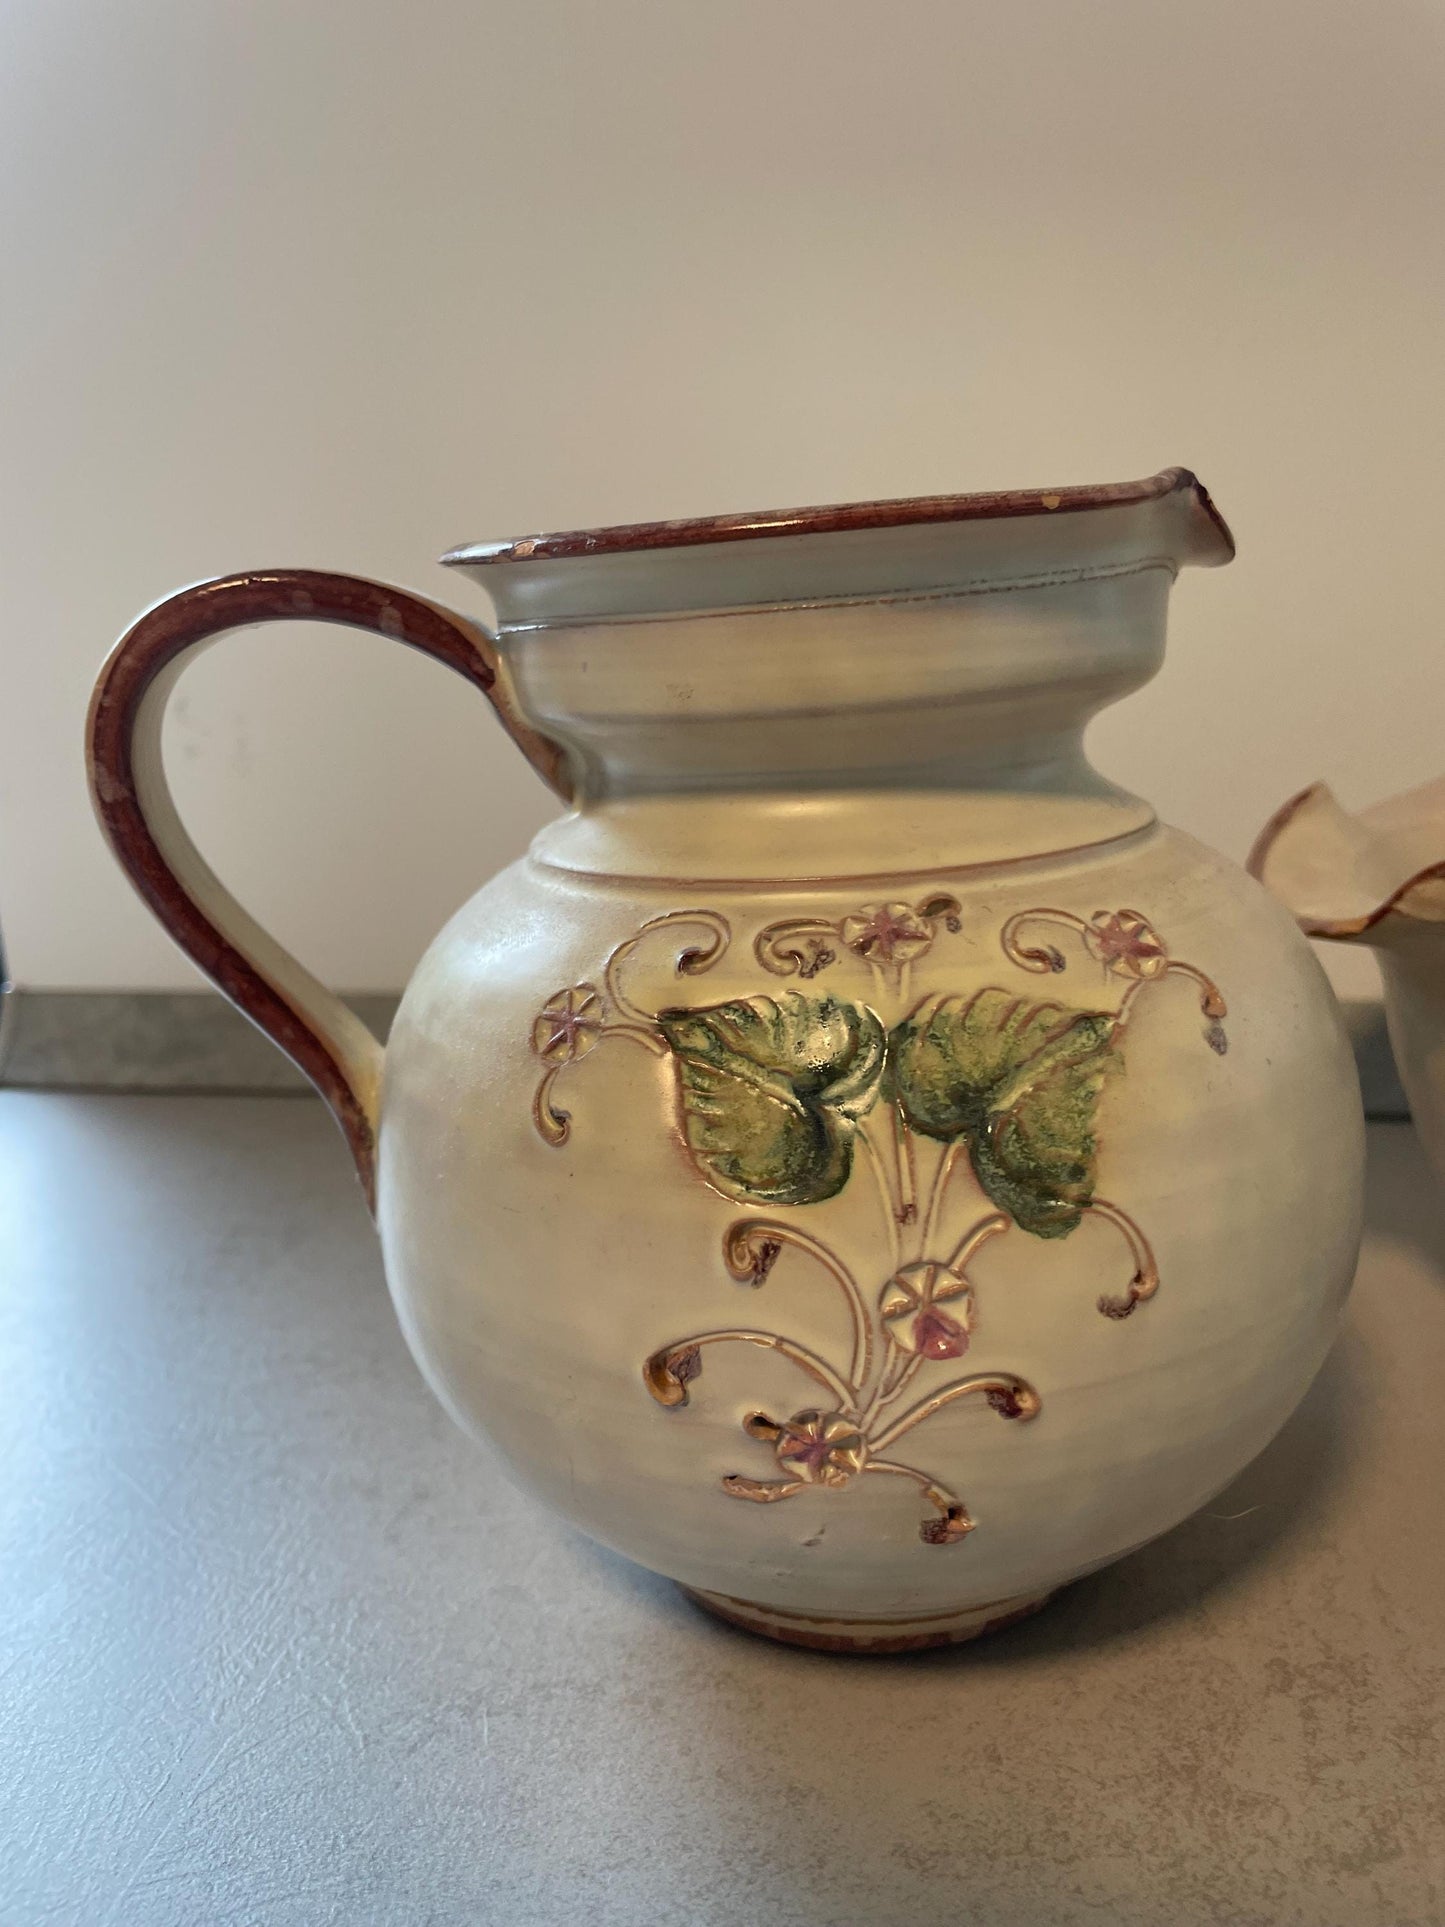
point(1376, 878)
point(858, 1162)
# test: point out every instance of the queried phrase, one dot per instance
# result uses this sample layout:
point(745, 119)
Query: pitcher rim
point(845, 517)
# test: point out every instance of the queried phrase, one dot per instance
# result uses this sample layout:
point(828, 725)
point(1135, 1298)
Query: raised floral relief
point(1127, 946)
point(568, 1025)
point(780, 1098)
point(887, 936)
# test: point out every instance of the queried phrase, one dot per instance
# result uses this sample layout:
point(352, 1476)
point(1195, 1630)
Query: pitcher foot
point(844, 1633)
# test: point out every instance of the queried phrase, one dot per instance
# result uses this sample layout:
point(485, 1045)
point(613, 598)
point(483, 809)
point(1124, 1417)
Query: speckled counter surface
point(279, 1648)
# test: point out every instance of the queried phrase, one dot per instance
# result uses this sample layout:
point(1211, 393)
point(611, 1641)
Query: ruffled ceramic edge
point(1315, 815)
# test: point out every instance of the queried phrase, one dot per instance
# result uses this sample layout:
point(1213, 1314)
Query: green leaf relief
point(770, 1091)
point(1018, 1083)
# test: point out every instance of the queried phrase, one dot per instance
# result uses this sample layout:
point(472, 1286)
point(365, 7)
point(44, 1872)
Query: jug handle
point(311, 1024)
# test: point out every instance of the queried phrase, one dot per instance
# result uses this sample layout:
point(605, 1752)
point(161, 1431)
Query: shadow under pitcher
point(977, 1183)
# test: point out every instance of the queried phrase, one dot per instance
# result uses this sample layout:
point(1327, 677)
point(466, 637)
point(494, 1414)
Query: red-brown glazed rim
point(839, 518)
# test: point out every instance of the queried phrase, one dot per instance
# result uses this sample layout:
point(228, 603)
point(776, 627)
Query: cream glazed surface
point(539, 1280)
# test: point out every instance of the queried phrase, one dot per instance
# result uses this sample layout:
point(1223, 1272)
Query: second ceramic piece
point(1376, 878)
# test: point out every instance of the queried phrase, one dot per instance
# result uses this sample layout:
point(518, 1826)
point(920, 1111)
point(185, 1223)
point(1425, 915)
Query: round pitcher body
point(875, 1255)
point(858, 1163)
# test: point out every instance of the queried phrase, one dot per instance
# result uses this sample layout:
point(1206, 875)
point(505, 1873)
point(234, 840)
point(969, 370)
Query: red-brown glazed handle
point(315, 1029)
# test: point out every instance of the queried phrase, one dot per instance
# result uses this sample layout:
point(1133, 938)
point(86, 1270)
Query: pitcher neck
point(775, 842)
point(970, 692)
point(1044, 812)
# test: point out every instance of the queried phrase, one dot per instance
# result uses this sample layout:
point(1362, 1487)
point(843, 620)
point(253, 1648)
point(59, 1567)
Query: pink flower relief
point(886, 933)
point(821, 1448)
point(568, 1025)
point(1126, 944)
point(914, 1318)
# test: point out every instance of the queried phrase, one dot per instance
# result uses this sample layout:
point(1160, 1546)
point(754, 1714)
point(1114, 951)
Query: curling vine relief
point(779, 1098)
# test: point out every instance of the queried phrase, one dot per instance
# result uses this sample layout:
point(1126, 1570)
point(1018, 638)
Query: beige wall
point(292, 281)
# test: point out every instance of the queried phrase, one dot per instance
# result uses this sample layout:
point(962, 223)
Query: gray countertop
point(278, 1646)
